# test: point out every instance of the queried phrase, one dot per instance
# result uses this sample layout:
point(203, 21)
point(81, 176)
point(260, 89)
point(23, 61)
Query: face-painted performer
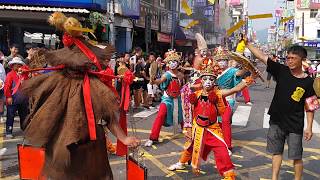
point(206, 83)
point(170, 111)
point(228, 78)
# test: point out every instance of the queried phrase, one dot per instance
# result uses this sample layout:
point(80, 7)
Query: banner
point(303, 4)
point(291, 25)
point(314, 4)
point(234, 2)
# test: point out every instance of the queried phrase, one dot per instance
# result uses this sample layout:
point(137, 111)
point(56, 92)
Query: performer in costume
point(206, 133)
point(186, 94)
point(228, 78)
point(170, 110)
point(70, 105)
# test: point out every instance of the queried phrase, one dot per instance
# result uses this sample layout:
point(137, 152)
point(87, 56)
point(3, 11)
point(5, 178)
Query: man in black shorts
point(293, 91)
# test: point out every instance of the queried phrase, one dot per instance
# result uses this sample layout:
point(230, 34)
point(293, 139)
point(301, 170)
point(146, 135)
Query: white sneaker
point(249, 103)
point(3, 151)
point(2, 120)
point(176, 166)
point(148, 143)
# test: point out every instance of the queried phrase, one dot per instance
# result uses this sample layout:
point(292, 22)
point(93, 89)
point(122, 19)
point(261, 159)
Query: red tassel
point(122, 149)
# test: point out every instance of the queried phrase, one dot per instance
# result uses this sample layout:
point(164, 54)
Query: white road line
point(241, 116)
point(266, 118)
point(145, 113)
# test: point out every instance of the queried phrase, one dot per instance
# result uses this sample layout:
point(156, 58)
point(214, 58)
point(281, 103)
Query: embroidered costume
point(170, 110)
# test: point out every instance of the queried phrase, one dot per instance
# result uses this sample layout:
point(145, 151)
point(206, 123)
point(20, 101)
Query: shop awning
point(44, 9)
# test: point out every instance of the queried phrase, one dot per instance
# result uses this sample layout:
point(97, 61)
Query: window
point(313, 13)
point(318, 33)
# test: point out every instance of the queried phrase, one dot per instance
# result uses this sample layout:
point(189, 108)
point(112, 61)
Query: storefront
point(25, 21)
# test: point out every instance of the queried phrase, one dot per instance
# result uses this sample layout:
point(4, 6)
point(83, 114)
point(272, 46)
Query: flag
point(211, 1)
point(191, 24)
point(186, 7)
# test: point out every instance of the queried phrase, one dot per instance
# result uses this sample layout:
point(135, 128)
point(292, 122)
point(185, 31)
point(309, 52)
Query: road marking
point(145, 113)
point(287, 163)
point(237, 156)
point(161, 166)
point(241, 116)
point(290, 172)
point(171, 154)
point(263, 144)
point(162, 133)
point(266, 118)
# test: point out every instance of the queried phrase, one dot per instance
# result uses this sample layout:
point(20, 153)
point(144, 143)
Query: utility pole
point(174, 23)
point(245, 9)
point(303, 27)
point(112, 29)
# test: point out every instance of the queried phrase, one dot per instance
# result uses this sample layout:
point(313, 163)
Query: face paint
point(208, 81)
point(173, 64)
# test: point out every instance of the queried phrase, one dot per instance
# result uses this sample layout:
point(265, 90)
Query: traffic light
point(148, 28)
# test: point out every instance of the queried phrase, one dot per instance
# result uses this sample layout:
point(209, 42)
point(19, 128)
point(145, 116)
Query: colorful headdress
point(209, 69)
point(172, 55)
point(220, 54)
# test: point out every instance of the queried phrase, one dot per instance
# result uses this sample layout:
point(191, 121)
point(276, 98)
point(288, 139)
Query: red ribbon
point(68, 40)
point(88, 106)
point(125, 90)
point(122, 149)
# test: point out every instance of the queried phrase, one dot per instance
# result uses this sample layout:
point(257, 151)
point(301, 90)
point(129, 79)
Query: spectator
point(30, 49)
point(294, 95)
point(2, 78)
point(14, 52)
point(15, 100)
point(137, 67)
point(150, 72)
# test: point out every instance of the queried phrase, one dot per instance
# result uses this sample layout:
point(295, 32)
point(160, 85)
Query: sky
point(261, 7)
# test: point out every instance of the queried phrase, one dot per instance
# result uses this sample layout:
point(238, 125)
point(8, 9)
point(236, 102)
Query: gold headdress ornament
point(67, 24)
point(220, 54)
point(208, 69)
point(172, 55)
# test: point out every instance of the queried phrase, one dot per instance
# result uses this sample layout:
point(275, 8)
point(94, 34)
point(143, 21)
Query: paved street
point(252, 162)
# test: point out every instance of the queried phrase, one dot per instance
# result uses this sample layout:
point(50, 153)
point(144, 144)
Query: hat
point(208, 69)
point(201, 42)
point(220, 53)
point(16, 60)
point(172, 55)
